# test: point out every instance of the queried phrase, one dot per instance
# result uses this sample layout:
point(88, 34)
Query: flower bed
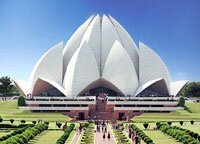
point(141, 134)
point(88, 134)
point(66, 134)
point(183, 135)
point(26, 134)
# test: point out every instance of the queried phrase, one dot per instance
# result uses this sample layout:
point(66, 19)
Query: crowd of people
point(102, 126)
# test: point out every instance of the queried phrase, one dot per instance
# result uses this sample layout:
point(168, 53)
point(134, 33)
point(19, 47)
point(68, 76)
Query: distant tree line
point(7, 87)
point(191, 90)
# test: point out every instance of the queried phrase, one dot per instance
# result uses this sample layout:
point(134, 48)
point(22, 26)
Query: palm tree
point(6, 86)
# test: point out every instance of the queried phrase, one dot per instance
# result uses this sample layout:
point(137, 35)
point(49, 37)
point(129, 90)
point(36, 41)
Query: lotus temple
point(100, 73)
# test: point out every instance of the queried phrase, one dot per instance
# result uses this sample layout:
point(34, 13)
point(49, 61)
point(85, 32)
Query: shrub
point(34, 122)
point(25, 134)
point(181, 102)
point(12, 121)
point(141, 134)
point(183, 135)
point(47, 123)
point(158, 124)
point(195, 135)
point(23, 121)
point(22, 127)
point(88, 134)
point(198, 137)
point(66, 134)
point(169, 123)
point(192, 122)
point(181, 123)
point(86, 125)
point(145, 125)
point(21, 101)
point(59, 125)
point(1, 120)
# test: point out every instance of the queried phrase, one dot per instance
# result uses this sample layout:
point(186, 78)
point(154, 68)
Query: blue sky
point(28, 28)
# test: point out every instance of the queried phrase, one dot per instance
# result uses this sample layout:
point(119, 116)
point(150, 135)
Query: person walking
point(108, 136)
point(104, 136)
point(102, 127)
point(105, 129)
point(136, 139)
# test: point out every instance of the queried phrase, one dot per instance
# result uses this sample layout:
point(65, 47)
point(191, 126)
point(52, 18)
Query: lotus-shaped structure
point(100, 53)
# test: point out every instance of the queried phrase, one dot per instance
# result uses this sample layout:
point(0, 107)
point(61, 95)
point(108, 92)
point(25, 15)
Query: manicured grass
point(70, 138)
point(9, 110)
point(187, 125)
point(156, 135)
point(47, 137)
point(192, 114)
point(4, 132)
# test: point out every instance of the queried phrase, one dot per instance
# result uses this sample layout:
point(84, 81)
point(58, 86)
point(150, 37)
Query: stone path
point(99, 137)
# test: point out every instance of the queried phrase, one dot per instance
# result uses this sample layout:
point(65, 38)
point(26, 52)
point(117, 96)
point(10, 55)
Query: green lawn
point(9, 109)
point(187, 125)
point(156, 135)
point(47, 137)
point(4, 132)
point(192, 114)
point(70, 138)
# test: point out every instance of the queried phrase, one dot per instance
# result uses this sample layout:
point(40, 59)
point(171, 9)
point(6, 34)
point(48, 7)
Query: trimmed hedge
point(66, 134)
point(26, 134)
point(145, 125)
point(14, 126)
point(143, 136)
point(183, 135)
point(21, 101)
point(22, 127)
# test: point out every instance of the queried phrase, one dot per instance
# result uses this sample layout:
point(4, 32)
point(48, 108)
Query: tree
point(181, 102)
point(58, 125)
point(192, 90)
point(145, 125)
point(192, 122)
point(181, 123)
point(6, 86)
point(169, 123)
point(21, 101)
point(47, 123)
point(23, 121)
point(34, 122)
point(12, 121)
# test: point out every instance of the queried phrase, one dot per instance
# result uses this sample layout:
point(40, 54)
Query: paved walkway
point(99, 137)
point(75, 138)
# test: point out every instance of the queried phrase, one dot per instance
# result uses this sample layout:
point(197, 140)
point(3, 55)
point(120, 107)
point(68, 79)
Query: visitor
point(108, 136)
point(129, 134)
point(104, 136)
point(136, 139)
point(105, 129)
point(77, 131)
point(107, 122)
